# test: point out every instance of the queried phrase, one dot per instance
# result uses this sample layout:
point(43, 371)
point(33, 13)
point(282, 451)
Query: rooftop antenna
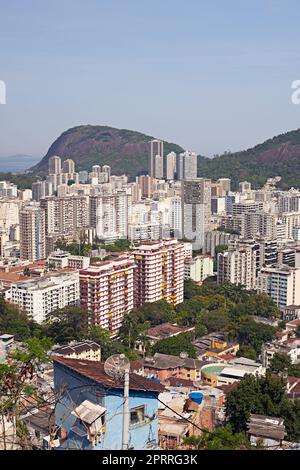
point(117, 366)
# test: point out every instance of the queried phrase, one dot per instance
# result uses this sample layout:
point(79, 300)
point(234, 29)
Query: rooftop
point(76, 348)
point(95, 372)
point(166, 330)
point(166, 361)
point(266, 426)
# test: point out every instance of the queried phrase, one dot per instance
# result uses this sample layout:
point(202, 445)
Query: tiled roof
point(166, 361)
point(165, 330)
point(266, 426)
point(95, 371)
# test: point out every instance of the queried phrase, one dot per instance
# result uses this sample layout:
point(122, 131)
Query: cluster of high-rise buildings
point(249, 237)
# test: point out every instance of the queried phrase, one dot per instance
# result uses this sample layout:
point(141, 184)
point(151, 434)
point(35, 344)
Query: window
point(137, 415)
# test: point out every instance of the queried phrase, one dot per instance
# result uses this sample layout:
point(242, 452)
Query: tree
point(175, 345)
point(258, 395)
point(67, 324)
point(100, 335)
point(248, 352)
point(220, 439)
point(248, 332)
point(132, 330)
point(13, 321)
point(280, 362)
point(16, 383)
point(155, 313)
point(220, 249)
point(200, 330)
point(214, 320)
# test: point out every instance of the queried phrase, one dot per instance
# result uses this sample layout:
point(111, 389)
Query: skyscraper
point(106, 291)
point(170, 166)
point(196, 210)
point(54, 165)
point(68, 166)
point(145, 182)
point(109, 215)
point(32, 233)
point(156, 157)
point(160, 272)
point(186, 167)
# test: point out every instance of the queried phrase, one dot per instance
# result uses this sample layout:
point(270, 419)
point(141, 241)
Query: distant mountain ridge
point(127, 152)
point(124, 150)
point(279, 156)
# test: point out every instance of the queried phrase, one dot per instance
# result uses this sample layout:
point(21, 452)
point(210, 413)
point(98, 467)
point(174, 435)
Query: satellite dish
point(117, 365)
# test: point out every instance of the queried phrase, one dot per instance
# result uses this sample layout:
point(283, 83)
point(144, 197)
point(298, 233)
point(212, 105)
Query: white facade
point(63, 259)
point(281, 283)
point(199, 268)
point(42, 296)
point(238, 267)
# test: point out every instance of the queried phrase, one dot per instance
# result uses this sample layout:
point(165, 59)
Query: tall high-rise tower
point(32, 233)
point(186, 167)
point(68, 166)
point(196, 209)
point(170, 166)
point(54, 165)
point(156, 158)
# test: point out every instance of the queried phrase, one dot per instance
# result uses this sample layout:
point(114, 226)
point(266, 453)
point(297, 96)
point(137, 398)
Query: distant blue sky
point(209, 75)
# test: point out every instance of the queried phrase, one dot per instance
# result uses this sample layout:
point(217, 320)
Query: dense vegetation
point(222, 438)
point(264, 396)
point(22, 180)
point(281, 363)
point(278, 156)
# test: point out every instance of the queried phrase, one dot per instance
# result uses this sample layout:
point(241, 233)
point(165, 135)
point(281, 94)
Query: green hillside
point(124, 150)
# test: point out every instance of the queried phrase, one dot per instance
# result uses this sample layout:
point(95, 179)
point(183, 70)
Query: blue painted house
point(89, 407)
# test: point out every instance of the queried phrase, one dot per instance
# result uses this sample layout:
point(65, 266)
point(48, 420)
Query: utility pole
point(125, 434)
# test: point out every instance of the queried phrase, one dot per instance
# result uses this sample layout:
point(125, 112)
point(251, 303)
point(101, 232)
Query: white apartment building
point(68, 167)
point(289, 201)
point(170, 166)
point(63, 259)
point(138, 233)
point(109, 215)
point(106, 291)
point(199, 268)
point(238, 267)
point(39, 297)
point(258, 224)
point(247, 205)
point(281, 283)
point(290, 220)
point(160, 272)
point(54, 164)
point(65, 215)
point(186, 167)
point(8, 189)
point(9, 212)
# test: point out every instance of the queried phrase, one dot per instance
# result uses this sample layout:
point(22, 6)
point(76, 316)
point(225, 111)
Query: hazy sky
point(210, 75)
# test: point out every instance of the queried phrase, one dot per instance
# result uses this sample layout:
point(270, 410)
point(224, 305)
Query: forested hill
point(279, 156)
point(124, 150)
